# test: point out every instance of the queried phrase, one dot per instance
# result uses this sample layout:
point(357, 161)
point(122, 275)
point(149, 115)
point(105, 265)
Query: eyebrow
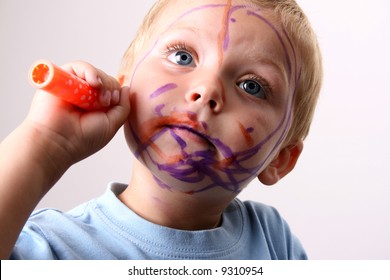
point(277, 33)
point(179, 27)
point(263, 60)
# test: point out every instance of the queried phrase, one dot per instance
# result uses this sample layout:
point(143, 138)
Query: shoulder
point(76, 234)
point(259, 212)
point(55, 234)
point(266, 222)
point(265, 218)
point(44, 233)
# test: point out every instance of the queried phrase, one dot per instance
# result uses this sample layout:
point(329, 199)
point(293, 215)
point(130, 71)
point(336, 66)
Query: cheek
point(257, 138)
point(133, 123)
point(129, 136)
point(253, 129)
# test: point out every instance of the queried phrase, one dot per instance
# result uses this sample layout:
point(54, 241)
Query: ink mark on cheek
point(179, 140)
point(193, 166)
point(162, 90)
point(158, 109)
point(246, 133)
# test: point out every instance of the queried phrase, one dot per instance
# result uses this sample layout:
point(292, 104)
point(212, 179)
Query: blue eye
point(181, 57)
point(253, 88)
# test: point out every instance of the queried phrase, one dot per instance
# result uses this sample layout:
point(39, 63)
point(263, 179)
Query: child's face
point(212, 95)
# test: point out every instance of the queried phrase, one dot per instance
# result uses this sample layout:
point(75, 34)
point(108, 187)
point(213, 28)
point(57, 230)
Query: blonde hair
point(298, 29)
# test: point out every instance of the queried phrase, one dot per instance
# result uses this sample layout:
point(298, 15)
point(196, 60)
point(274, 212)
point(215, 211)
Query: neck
point(172, 208)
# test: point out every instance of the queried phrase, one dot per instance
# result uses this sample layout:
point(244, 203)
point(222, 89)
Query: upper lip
point(176, 120)
point(185, 120)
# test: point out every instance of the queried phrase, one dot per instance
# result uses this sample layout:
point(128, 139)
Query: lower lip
point(189, 135)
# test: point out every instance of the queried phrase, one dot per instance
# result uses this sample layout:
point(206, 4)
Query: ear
point(282, 164)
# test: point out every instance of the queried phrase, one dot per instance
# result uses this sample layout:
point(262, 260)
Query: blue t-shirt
point(105, 228)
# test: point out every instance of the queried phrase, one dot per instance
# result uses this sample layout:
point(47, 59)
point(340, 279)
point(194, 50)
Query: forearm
point(27, 171)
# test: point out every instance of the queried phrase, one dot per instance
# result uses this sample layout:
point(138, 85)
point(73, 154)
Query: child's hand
point(54, 136)
point(77, 132)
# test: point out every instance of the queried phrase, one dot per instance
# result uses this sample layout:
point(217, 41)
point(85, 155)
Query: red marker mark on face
point(247, 136)
point(224, 30)
point(190, 192)
point(154, 126)
point(176, 118)
point(200, 164)
point(225, 163)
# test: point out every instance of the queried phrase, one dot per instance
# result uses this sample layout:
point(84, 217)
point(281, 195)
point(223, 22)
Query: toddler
point(212, 94)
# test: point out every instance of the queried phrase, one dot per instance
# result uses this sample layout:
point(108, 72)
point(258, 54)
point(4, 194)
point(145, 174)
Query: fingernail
point(107, 97)
point(115, 97)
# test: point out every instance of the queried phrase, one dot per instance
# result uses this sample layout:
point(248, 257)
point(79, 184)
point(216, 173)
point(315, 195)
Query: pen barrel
point(46, 76)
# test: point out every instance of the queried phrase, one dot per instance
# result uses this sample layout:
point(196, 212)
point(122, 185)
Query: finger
point(115, 98)
point(110, 90)
point(85, 71)
point(92, 77)
point(115, 91)
point(118, 114)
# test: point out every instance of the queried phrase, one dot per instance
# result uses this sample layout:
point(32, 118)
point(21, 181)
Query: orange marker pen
point(70, 88)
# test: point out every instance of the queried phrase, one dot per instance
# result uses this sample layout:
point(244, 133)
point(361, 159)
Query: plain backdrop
point(337, 200)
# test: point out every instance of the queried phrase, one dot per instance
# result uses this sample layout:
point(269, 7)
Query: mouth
point(186, 134)
point(180, 134)
point(182, 124)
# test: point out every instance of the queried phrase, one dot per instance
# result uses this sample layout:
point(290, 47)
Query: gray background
point(337, 200)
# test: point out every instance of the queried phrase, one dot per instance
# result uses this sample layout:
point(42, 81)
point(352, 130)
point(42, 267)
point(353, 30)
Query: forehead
point(178, 10)
point(216, 16)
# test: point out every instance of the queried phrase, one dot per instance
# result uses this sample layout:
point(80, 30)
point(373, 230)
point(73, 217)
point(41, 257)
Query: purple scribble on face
point(158, 109)
point(230, 19)
point(196, 9)
point(193, 167)
point(297, 71)
point(277, 33)
point(162, 90)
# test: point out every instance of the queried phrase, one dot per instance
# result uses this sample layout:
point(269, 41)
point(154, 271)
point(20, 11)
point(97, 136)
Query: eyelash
point(177, 46)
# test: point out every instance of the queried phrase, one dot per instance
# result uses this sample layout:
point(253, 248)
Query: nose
point(207, 93)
